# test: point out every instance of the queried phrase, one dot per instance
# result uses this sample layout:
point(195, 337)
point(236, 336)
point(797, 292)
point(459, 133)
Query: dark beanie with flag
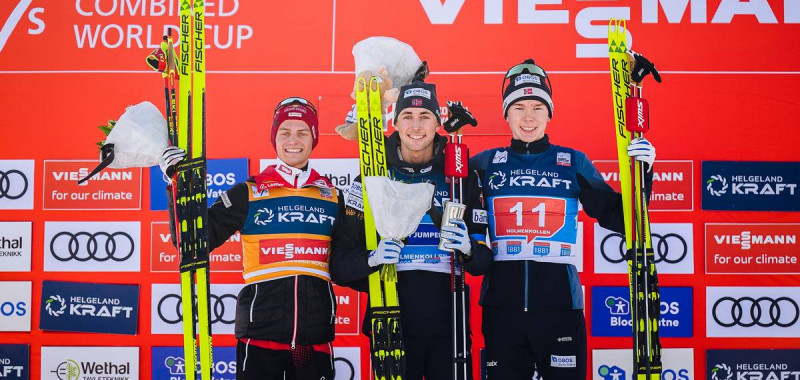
point(527, 84)
point(418, 94)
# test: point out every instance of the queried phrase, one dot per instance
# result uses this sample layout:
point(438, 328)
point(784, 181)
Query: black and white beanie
point(418, 94)
point(527, 86)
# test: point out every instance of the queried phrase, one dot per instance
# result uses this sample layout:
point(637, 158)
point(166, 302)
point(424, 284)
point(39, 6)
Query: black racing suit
point(424, 295)
point(533, 310)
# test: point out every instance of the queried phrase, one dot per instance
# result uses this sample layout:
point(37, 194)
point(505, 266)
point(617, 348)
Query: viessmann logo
point(747, 240)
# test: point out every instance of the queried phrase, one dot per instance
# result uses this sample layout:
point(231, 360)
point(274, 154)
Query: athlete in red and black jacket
point(288, 216)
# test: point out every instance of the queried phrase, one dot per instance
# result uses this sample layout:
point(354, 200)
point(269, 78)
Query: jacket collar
point(282, 175)
point(538, 146)
point(393, 155)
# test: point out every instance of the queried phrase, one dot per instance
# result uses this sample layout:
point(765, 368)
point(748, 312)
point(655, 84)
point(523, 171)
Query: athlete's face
point(417, 127)
point(293, 143)
point(527, 120)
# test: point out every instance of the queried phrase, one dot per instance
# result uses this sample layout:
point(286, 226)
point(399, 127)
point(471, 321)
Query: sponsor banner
point(166, 316)
point(111, 189)
point(89, 307)
point(168, 363)
point(752, 364)
point(348, 311)
point(753, 312)
point(14, 362)
point(15, 246)
point(100, 31)
point(164, 255)
point(752, 248)
point(673, 246)
point(15, 306)
point(90, 363)
point(16, 184)
point(341, 171)
point(221, 175)
point(751, 186)
point(672, 183)
point(611, 311)
point(678, 364)
point(347, 363)
point(92, 246)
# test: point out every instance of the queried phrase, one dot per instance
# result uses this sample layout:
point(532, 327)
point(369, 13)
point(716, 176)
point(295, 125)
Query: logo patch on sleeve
point(563, 361)
point(225, 200)
point(479, 216)
point(355, 197)
point(564, 159)
point(500, 157)
point(259, 193)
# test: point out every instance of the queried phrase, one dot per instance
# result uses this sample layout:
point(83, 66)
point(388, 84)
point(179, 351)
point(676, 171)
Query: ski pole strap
point(455, 164)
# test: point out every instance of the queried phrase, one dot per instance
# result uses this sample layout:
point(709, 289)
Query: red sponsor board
point(111, 189)
point(164, 256)
point(277, 250)
point(348, 311)
point(672, 183)
point(753, 248)
point(531, 217)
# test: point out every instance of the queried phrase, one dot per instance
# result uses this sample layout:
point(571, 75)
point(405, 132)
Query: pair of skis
point(631, 121)
point(387, 351)
point(186, 122)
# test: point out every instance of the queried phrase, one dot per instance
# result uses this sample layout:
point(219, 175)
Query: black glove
point(642, 68)
point(459, 116)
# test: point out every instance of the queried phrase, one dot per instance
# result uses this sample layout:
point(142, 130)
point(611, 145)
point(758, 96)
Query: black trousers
point(431, 358)
point(256, 363)
point(518, 343)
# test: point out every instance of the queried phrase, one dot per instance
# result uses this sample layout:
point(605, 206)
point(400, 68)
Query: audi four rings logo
point(9, 192)
point(669, 248)
point(351, 370)
point(169, 308)
point(98, 246)
point(749, 311)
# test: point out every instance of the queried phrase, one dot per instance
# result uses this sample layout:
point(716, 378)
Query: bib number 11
point(539, 210)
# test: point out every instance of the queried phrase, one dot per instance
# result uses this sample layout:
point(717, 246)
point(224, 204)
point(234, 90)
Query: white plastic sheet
point(139, 137)
point(397, 207)
point(398, 57)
